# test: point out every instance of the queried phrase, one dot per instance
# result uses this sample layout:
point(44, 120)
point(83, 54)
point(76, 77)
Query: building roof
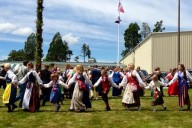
point(149, 36)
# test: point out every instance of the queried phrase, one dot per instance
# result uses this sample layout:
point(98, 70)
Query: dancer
point(55, 96)
point(31, 99)
point(106, 83)
point(154, 85)
point(173, 88)
point(80, 78)
point(10, 92)
point(117, 78)
point(132, 83)
point(181, 75)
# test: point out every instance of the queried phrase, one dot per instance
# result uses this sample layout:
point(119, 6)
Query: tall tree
point(58, 49)
point(159, 26)
point(16, 55)
point(88, 52)
point(84, 51)
point(132, 37)
point(29, 48)
point(145, 30)
point(76, 59)
point(39, 31)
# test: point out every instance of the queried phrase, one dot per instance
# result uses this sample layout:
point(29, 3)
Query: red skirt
point(173, 89)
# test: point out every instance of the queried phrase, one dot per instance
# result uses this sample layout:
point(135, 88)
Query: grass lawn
point(97, 117)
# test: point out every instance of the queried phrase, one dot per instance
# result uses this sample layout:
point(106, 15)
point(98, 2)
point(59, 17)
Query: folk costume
point(173, 88)
point(106, 83)
point(80, 80)
point(117, 78)
point(31, 99)
point(182, 87)
point(55, 95)
point(157, 94)
point(10, 92)
point(132, 82)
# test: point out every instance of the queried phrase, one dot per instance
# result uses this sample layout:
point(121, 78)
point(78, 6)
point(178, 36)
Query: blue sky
point(85, 21)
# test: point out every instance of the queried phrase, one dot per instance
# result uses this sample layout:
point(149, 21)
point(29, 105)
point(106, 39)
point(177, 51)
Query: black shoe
point(188, 107)
point(91, 98)
point(108, 109)
point(14, 107)
point(165, 108)
point(9, 110)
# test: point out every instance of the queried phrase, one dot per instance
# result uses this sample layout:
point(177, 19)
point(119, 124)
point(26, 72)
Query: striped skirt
point(183, 96)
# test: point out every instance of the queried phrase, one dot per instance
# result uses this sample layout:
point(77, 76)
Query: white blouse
point(155, 85)
point(176, 77)
point(125, 80)
point(73, 79)
point(12, 76)
point(52, 83)
point(26, 77)
point(110, 80)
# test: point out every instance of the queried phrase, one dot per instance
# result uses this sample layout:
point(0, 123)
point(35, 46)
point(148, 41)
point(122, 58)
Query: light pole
point(178, 31)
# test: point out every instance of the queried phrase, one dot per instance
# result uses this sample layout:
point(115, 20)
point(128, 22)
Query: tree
point(39, 31)
point(84, 51)
point(29, 48)
point(69, 53)
point(159, 26)
point(58, 49)
point(145, 30)
point(76, 59)
point(16, 55)
point(88, 52)
point(131, 37)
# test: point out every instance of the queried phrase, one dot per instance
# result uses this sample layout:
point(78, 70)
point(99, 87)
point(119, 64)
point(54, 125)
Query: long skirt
point(9, 95)
point(131, 99)
point(183, 96)
point(31, 100)
point(116, 91)
point(173, 89)
point(76, 102)
point(157, 98)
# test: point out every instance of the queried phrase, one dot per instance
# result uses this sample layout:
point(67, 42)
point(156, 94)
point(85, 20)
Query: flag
point(120, 8)
point(118, 20)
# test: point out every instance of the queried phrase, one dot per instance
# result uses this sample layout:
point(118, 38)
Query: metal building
point(161, 50)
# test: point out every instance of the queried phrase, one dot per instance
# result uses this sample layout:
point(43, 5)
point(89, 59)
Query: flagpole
point(118, 42)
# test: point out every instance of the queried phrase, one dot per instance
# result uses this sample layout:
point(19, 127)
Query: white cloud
point(7, 27)
point(23, 31)
point(70, 38)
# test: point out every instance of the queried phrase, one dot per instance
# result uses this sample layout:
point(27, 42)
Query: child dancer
point(106, 83)
point(154, 85)
point(55, 96)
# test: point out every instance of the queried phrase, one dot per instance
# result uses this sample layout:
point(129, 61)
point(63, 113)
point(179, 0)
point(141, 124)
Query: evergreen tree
point(30, 47)
point(145, 30)
point(58, 49)
point(84, 51)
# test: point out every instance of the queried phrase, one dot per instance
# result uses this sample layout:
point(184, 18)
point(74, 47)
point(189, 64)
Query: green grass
point(96, 117)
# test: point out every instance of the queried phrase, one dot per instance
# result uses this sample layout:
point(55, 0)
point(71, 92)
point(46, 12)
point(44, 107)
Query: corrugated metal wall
point(143, 55)
point(165, 50)
point(160, 50)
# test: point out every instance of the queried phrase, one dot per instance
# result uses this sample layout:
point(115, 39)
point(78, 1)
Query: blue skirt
point(55, 95)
